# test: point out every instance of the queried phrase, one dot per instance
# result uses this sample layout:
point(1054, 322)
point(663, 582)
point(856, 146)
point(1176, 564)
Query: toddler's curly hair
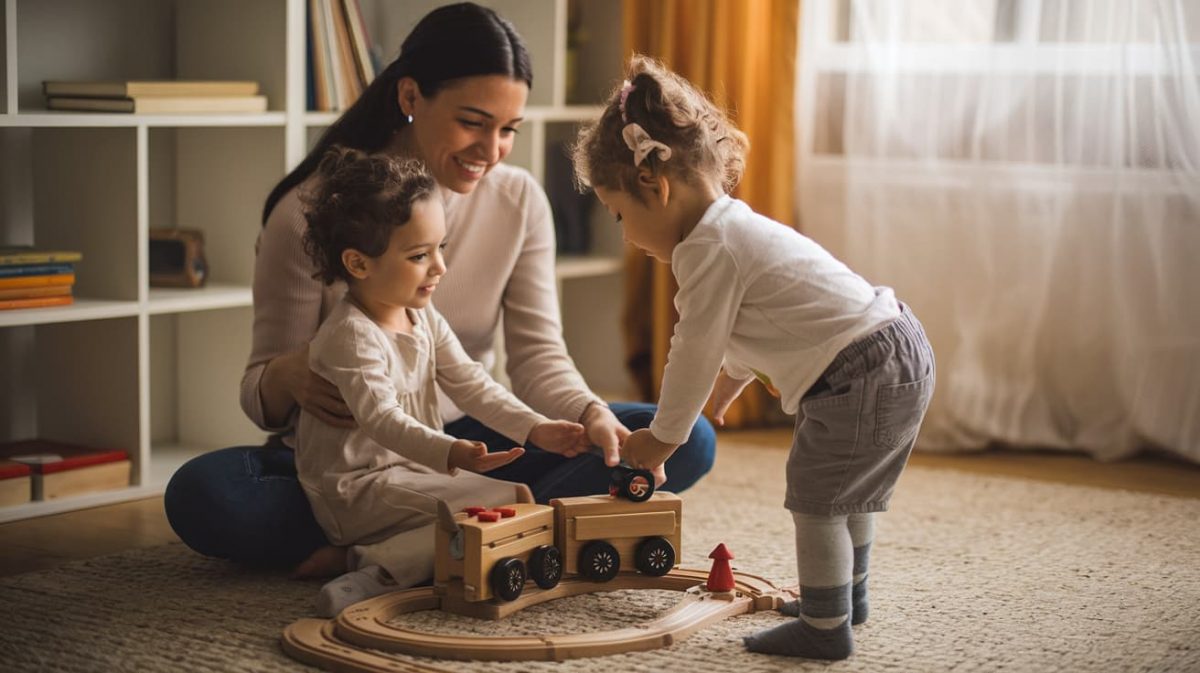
point(705, 144)
point(357, 201)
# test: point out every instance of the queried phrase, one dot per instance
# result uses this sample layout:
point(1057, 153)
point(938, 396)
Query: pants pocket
point(899, 409)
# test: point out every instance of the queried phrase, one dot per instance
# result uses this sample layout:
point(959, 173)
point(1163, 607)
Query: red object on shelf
point(474, 510)
point(505, 511)
point(45, 456)
point(488, 516)
point(720, 577)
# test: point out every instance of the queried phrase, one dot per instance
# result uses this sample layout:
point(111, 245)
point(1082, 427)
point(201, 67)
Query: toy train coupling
point(631, 483)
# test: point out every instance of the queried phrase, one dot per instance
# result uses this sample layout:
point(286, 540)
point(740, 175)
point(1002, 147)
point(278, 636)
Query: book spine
point(34, 270)
point(35, 302)
point(44, 291)
point(37, 281)
point(24, 258)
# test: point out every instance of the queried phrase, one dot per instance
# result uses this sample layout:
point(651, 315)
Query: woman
point(454, 98)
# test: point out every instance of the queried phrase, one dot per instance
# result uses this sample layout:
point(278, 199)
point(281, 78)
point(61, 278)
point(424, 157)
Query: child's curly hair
point(705, 145)
point(356, 202)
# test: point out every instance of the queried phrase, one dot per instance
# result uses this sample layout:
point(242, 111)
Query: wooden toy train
point(492, 553)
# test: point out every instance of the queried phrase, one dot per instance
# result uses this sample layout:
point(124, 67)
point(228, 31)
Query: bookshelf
point(157, 370)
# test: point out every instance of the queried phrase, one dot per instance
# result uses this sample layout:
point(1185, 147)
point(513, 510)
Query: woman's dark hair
point(451, 42)
point(358, 201)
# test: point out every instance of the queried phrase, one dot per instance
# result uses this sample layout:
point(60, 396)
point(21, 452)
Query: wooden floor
point(48, 541)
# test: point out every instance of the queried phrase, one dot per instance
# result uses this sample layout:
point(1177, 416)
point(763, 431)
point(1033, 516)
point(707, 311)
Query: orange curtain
point(743, 54)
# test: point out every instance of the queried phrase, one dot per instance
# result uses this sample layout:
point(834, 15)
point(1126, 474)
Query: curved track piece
point(312, 641)
point(366, 624)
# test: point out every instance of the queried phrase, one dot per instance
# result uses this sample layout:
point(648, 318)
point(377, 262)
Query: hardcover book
point(28, 255)
point(67, 279)
point(135, 88)
point(161, 104)
point(30, 292)
point(59, 469)
point(15, 483)
point(35, 270)
point(36, 302)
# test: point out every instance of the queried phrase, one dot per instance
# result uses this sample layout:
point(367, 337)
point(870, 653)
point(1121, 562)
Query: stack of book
point(58, 469)
point(30, 278)
point(341, 59)
point(15, 483)
point(155, 96)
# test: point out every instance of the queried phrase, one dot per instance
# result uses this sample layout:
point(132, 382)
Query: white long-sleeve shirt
point(757, 296)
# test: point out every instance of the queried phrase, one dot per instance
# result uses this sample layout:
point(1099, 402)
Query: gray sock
point(821, 632)
point(859, 608)
point(354, 586)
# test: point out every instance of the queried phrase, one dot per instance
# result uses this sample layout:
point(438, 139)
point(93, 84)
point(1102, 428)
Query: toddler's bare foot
point(328, 561)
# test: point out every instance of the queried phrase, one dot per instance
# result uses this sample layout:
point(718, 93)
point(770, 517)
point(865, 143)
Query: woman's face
point(467, 128)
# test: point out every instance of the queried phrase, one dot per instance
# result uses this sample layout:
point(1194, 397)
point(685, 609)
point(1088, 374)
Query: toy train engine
point(493, 553)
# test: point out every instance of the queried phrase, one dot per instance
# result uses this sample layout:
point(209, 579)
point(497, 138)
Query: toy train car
point(493, 553)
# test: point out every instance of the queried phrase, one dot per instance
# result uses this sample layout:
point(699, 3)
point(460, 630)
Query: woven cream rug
point(969, 573)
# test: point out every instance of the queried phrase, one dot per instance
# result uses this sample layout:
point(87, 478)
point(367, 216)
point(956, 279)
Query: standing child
point(377, 224)
point(756, 298)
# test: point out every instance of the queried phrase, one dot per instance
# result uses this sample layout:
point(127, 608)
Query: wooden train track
point(334, 644)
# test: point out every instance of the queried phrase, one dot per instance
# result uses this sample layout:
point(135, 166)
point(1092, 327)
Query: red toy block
point(720, 578)
point(505, 511)
point(473, 510)
point(488, 516)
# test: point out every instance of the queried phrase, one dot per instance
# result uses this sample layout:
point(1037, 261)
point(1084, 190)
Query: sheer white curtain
point(1027, 175)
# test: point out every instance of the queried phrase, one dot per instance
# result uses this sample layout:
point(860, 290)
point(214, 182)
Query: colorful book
point(16, 486)
point(35, 270)
point(135, 88)
point(161, 104)
point(36, 302)
point(59, 469)
point(26, 292)
point(28, 255)
point(37, 281)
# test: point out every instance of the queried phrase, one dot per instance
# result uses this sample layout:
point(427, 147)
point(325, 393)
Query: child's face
point(643, 224)
point(407, 273)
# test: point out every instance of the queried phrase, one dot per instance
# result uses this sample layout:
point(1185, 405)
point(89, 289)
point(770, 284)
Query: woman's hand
point(725, 391)
point(602, 429)
point(642, 450)
point(288, 382)
point(562, 437)
point(474, 456)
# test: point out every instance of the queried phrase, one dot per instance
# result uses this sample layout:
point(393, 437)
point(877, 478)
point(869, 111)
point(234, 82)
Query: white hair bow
point(642, 144)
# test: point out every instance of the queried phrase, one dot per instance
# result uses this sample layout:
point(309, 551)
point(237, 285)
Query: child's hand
point(474, 456)
point(642, 450)
point(725, 391)
point(561, 437)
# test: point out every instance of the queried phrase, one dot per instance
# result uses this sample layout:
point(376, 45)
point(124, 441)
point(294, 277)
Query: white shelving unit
point(157, 370)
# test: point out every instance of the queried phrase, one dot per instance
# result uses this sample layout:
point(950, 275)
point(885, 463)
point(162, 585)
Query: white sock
point(356, 585)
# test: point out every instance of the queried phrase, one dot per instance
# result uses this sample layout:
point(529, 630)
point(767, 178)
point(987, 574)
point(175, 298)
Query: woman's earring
point(409, 119)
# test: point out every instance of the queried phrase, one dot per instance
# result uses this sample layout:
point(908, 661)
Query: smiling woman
point(453, 99)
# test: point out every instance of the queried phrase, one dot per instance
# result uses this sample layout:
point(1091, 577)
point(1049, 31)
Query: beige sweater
point(500, 258)
point(381, 478)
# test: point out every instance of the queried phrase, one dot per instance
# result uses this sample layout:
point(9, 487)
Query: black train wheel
point(631, 483)
point(546, 566)
point(508, 579)
point(655, 557)
point(640, 486)
point(599, 561)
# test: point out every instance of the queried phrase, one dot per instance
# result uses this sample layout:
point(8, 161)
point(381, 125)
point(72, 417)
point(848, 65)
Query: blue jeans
point(245, 504)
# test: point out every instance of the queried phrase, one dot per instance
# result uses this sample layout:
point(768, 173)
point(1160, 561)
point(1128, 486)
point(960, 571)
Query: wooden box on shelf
point(59, 470)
